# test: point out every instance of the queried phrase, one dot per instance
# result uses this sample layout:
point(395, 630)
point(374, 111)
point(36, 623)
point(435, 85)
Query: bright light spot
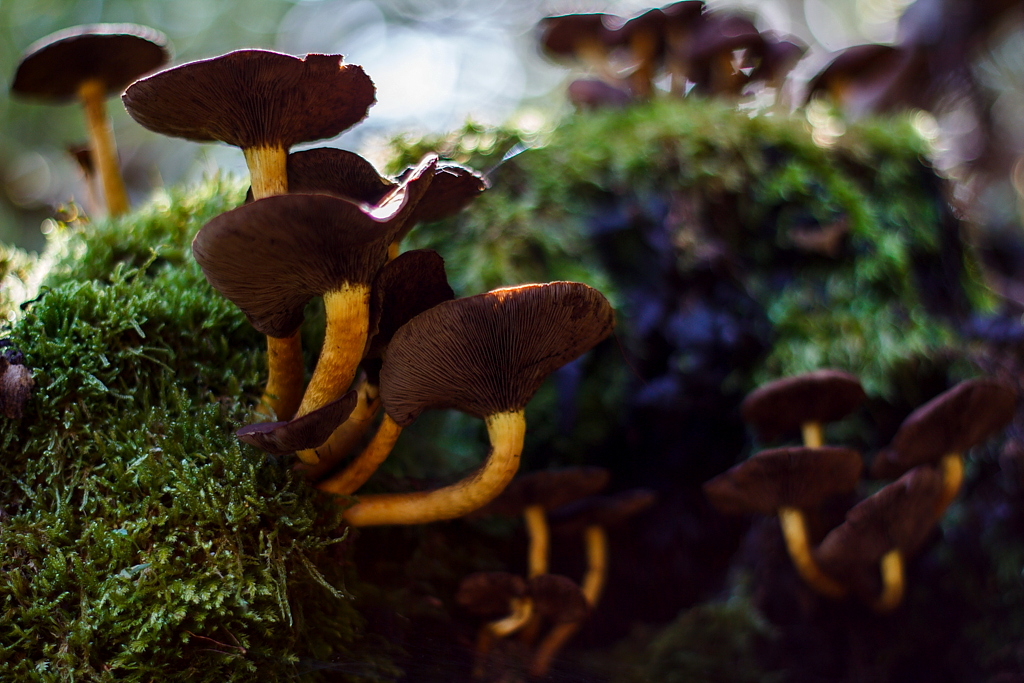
point(828, 27)
point(926, 126)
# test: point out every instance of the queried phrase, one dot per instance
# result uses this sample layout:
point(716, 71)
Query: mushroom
point(90, 63)
point(485, 355)
point(263, 102)
point(406, 286)
point(644, 34)
point(786, 482)
point(587, 38)
point(561, 601)
point(273, 255)
point(867, 551)
point(682, 21)
point(491, 595)
point(802, 402)
point(535, 494)
point(939, 432)
point(714, 67)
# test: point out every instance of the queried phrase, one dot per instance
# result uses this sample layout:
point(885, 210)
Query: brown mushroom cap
point(605, 511)
point(452, 189)
point(488, 354)
point(55, 66)
point(782, 406)
point(253, 98)
point(336, 172)
point(558, 598)
point(405, 287)
point(898, 517)
point(952, 422)
point(488, 593)
point(272, 256)
point(799, 477)
point(548, 488)
point(308, 431)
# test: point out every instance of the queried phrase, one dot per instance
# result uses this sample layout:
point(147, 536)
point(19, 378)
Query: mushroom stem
point(891, 566)
point(366, 463)
point(794, 530)
point(644, 46)
point(349, 433)
point(393, 250)
point(285, 371)
point(522, 610)
point(506, 432)
point(348, 321)
point(813, 436)
point(596, 541)
point(268, 173)
point(537, 532)
point(93, 93)
point(951, 467)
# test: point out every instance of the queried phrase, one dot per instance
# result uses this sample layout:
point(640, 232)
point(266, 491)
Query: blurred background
point(437, 63)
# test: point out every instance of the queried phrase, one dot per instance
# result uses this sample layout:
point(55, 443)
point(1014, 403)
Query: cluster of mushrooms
point(565, 502)
point(324, 223)
point(865, 555)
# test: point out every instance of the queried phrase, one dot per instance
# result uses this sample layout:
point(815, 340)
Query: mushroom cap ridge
point(272, 256)
point(54, 66)
point(488, 353)
point(253, 98)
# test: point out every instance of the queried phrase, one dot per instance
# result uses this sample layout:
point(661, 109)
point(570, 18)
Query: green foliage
point(138, 539)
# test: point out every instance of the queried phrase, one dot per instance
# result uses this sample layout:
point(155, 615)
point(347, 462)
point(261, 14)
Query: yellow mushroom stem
point(348, 319)
point(366, 463)
point(813, 436)
point(521, 610)
point(93, 94)
point(794, 530)
point(951, 467)
point(506, 432)
point(596, 542)
point(268, 172)
point(537, 532)
point(891, 566)
point(285, 375)
point(393, 250)
point(349, 433)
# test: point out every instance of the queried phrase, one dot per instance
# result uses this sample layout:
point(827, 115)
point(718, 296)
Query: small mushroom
point(535, 494)
point(91, 63)
point(787, 482)
point(501, 597)
point(868, 550)
point(262, 102)
point(941, 430)
point(308, 431)
point(802, 402)
point(485, 355)
point(561, 601)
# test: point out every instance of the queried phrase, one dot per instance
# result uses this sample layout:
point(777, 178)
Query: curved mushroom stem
point(794, 530)
point(349, 433)
point(521, 611)
point(813, 436)
point(348, 321)
point(537, 532)
point(506, 432)
point(93, 95)
point(891, 567)
point(951, 466)
point(285, 373)
point(366, 463)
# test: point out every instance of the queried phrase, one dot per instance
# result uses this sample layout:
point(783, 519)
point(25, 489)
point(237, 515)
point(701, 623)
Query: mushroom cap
point(273, 255)
point(558, 598)
point(488, 353)
point(55, 66)
point(952, 422)
point(405, 287)
point(309, 431)
point(781, 406)
point(253, 98)
point(898, 516)
point(453, 188)
point(798, 477)
point(549, 489)
point(488, 593)
point(605, 511)
point(335, 172)
point(561, 34)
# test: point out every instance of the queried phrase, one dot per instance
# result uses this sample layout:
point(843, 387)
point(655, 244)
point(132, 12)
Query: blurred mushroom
point(802, 402)
point(722, 43)
point(91, 63)
point(587, 38)
point(485, 355)
point(939, 432)
point(561, 601)
point(871, 79)
point(644, 35)
point(868, 550)
point(263, 102)
point(492, 595)
point(682, 20)
point(787, 482)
